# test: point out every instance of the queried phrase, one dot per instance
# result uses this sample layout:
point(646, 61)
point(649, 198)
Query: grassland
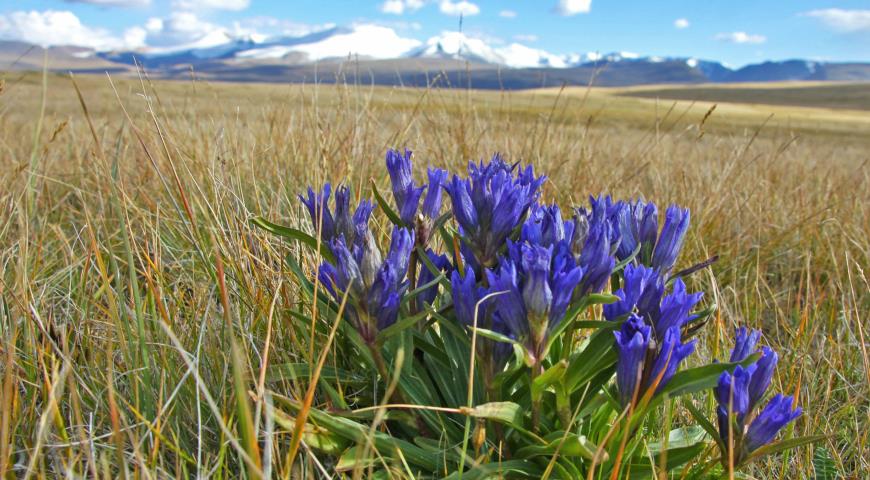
point(129, 263)
point(849, 96)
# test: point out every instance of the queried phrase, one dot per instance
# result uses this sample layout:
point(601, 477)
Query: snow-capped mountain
point(458, 46)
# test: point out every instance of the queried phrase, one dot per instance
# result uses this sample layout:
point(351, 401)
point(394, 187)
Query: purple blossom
point(490, 204)
point(778, 413)
point(632, 343)
point(443, 265)
point(318, 210)
point(406, 194)
point(671, 239)
point(432, 203)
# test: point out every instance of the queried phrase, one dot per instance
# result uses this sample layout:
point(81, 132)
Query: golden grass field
point(128, 260)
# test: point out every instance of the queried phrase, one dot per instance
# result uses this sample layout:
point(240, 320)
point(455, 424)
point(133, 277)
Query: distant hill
point(380, 57)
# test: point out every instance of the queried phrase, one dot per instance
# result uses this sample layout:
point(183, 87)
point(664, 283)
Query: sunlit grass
point(149, 329)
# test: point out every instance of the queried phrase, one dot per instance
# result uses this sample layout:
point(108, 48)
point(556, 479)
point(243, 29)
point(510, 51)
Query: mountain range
point(368, 53)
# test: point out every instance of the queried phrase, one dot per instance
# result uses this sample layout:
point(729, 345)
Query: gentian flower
point(490, 204)
point(596, 237)
point(638, 225)
point(374, 287)
point(318, 209)
point(537, 283)
point(778, 413)
point(406, 194)
point(671, 239)
point(546, 227)
point(639, 355)
point(440, 262)
point(738, 392)
point(632, 343)
point(432, 203)
point(467, 294)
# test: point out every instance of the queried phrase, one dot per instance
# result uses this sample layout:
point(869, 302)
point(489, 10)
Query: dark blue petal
point(537, 294)
point(777, 414)
point(442, 263)
point(318, 210)
point(676, 308)
point(762, 376)
point(507, 299)
point(671, 239)
point(632, 342)
point(432, 203)
point(405, 193)
point(671, 354)
point(732, 391)
point(399, 255)
point(744, 344)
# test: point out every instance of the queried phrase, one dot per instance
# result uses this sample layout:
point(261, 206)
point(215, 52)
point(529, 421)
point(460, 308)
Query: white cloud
point(461, 7)
point(741, 38)
point(681, 23)
point(398, 7)
point(507, 14)
point(54, 27)
point(845, 21)
point(567, 8)
point(183, 30)
point(197, 5)
point(526, 38)
point(114, 3)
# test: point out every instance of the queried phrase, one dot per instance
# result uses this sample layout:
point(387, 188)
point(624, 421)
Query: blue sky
point(736, 31)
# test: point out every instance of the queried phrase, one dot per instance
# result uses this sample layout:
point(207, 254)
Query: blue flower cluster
point(739, 392)
point(517, 267)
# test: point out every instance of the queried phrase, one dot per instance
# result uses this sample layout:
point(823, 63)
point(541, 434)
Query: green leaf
point(293, 234)
point(550, 376)
point(506, 469)
point(493, 335)
point(355, 457)
point(388, 210)
point(565, 444)
point(504, 412)
point(598, 354)
point(704, 423)
point(679, 438)
point(824, 465)
point(701, 378)
point(787, 444)
point(400, 326)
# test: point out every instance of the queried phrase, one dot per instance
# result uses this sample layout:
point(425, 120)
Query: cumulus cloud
point(462, 7)
point(844, 21)
point(681, 23)
point(507, 14)
point(526, 38)
point(56, 27)
point(398, 7)
point(114, 3)
point(197, 5)
point(741, 38)
point(183, 28)
point(567, 8)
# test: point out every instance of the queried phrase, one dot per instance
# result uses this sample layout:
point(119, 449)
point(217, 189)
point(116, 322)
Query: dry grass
point(131, 275)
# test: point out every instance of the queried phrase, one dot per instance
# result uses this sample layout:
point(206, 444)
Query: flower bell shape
point(642, 288)
point(778, 413)
point(546, 227)
point(442, 264)
point(675, 308)
point(740, 391)
point(432, 203)
point(537, 282)
point(374, 288)
point(406, 194)
point(317, 205)
point(672, 352)
point(671, 239)
point(638, 225)
point(639, 355)
point(632, 343)
point(490, 204)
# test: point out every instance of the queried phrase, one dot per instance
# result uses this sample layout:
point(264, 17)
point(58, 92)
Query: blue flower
point(545, 226)
point(406, 194)
point(671, 239)
point(374, 287)
point(778, 413)
point(638, 282)
point(632, 343)
point(639, 355)
point(490, 204)
point(744, 344)
point(318, 209)
point(432, 203)
point(675, 309)
point(738, 393)
point(443, 265)
point(638, 225)
point(596, 259)
point(671, 353)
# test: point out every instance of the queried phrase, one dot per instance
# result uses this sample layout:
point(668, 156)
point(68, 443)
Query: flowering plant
point(484, 340)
